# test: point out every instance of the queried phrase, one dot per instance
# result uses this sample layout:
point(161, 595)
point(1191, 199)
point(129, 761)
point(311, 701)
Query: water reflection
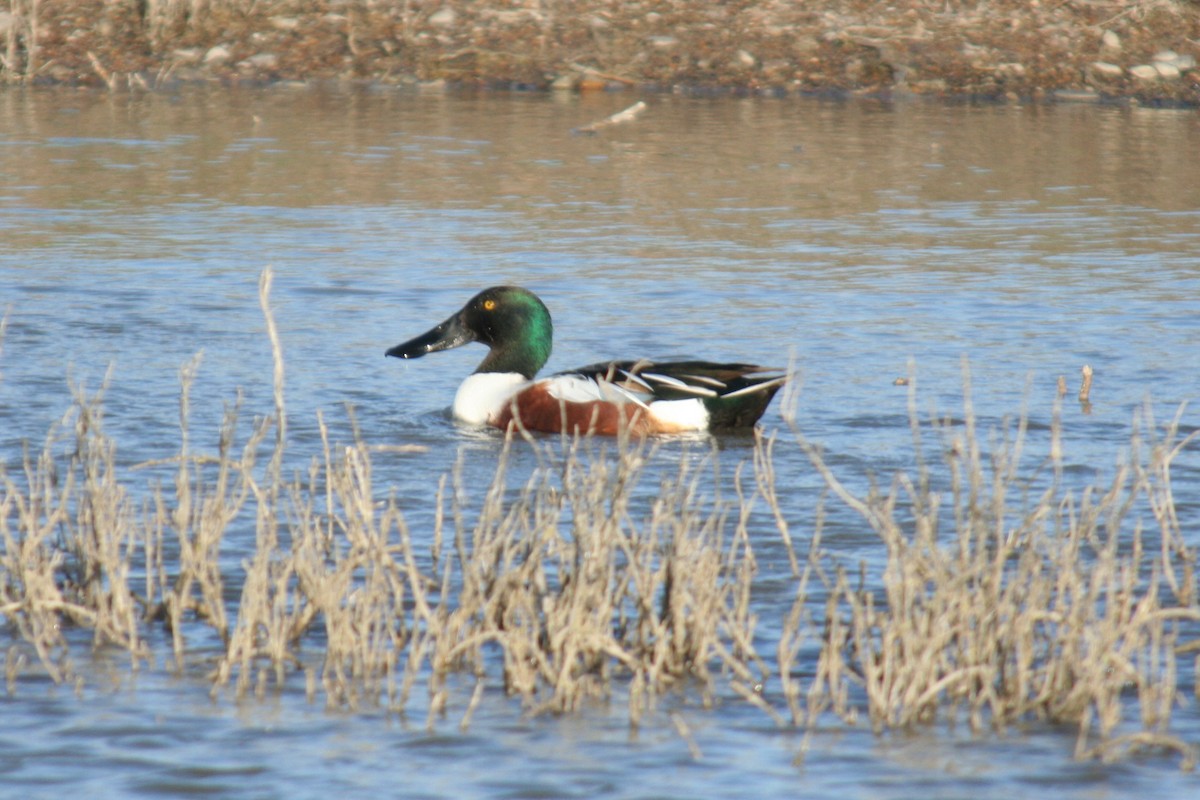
point(821, 160)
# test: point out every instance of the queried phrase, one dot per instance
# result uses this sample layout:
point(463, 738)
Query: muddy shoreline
point(1144, 52)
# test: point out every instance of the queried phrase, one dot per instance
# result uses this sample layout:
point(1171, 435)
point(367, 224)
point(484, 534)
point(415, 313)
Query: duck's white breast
point(482, 396)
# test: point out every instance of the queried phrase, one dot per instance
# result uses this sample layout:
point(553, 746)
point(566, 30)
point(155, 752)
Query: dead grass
point(1005, 595)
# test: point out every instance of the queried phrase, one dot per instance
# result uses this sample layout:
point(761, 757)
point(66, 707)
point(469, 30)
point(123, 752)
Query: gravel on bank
point(1127, 50)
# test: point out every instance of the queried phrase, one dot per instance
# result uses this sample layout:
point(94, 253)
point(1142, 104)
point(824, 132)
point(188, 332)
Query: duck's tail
point(745, 401)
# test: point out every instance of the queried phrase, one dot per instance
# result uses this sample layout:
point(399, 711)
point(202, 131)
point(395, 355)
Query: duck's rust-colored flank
point(536, 409)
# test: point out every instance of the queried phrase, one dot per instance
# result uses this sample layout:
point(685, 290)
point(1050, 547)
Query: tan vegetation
point(1005, 596)
point(995, 48)
point(1060, 608)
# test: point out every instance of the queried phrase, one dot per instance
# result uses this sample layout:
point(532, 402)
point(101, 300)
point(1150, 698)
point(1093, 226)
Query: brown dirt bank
point(1074, 49)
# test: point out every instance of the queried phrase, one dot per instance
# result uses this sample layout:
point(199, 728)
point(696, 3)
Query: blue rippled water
point(860, 241)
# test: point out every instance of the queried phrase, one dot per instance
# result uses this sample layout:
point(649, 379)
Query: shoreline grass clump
point(1003, 594)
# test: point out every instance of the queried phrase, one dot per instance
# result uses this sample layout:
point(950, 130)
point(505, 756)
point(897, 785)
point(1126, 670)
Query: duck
point(639, 397)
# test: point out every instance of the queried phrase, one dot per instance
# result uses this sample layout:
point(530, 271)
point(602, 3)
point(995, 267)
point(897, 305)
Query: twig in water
point(1085, 389)
point(109, 79)
point(628, 115)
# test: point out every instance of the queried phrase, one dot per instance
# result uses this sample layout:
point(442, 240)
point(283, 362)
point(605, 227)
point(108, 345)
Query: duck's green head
point(510, 320)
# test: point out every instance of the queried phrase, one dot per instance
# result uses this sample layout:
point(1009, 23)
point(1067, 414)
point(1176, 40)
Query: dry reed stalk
point(764, 472)
point(199, 517)
point(796, 629)
point(269, 618)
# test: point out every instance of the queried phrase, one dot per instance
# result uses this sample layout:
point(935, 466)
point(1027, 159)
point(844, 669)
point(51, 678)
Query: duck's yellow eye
point(488, 305)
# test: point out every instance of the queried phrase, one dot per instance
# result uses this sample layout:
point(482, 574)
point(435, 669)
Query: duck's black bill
point(451, 333)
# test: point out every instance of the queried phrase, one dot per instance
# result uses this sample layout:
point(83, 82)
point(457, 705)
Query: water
point(859, 240)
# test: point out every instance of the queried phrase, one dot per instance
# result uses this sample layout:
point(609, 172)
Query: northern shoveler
point(643, 396)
